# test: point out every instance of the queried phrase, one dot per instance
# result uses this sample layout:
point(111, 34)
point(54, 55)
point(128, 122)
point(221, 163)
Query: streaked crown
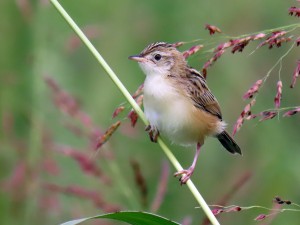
point(160, 58)
point(156, 46)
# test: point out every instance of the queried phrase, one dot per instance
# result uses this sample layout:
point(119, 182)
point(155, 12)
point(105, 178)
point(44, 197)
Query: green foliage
point(134, 218)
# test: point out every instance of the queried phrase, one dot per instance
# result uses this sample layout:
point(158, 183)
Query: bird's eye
point(157, 57)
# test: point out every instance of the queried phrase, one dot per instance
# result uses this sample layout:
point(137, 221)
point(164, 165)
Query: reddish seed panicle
point(236, 209)
point(250, 117)
point(236, 44)
point(83, 193)
point(139, 100)
point(233, 209)
point(282, 40)
point(137, 95)
point(238, 124)
point(217, 211)
point(217, 55)
point(109, 132)
point(192, 51)
point(247, 109)
point(266, 115)
point(275, 39)
point(178, 44)
point(219, 51)
point(279, 201)
point(292, 112)
point(223, 46)
point(140, 181)
point(296, 74)
point(212, 29)
point(139, 91)
point(288, 202)
point(51, 166)
point(26, 9)
point(244, 114)
point(132, 115)
point(298, 41)
point(277, 98)
point(87, 164)
point(253, 89)
point(118, 111)
point(258, 36)
point(294, 11)
point(240, 45)
point(261, 217)
point(68, 104)
point(17, 178)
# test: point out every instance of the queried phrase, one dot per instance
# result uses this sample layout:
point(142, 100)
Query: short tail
point(229, 143)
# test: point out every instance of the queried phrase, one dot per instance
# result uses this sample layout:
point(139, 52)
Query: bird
point(178, 103)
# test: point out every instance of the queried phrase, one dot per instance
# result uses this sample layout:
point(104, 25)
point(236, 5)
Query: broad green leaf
point(131, 217)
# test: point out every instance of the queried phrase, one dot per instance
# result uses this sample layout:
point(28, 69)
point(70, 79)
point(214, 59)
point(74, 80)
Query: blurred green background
point(36, 42)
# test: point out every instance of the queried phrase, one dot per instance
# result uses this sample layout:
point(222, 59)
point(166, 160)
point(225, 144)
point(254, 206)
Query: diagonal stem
point(135, 106)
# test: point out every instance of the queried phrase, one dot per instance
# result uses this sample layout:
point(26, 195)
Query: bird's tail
point(229, 143)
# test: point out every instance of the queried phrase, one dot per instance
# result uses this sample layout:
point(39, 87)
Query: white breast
point(168, 110)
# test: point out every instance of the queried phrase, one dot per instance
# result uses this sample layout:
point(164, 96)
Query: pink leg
point(186, 174)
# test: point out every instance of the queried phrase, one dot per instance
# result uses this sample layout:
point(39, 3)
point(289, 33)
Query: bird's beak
point(137, 58)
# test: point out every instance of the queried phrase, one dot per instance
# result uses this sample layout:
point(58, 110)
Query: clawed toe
point(148, 128)
point(153, 133)
point(185, 175)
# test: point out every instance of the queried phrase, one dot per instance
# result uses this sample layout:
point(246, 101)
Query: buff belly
point(174, 115)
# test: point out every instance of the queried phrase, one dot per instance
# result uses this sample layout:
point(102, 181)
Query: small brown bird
point(178, 102)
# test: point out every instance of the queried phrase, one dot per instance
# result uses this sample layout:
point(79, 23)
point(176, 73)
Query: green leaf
point(131, 217)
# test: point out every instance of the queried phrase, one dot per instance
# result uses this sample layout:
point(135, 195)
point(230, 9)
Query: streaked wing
point(200, 93)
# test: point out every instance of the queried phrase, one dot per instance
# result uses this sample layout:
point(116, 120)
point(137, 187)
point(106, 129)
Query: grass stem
point(134, 105)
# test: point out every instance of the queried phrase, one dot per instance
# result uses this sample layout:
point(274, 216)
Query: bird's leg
point(186, 174)
point(153, 133)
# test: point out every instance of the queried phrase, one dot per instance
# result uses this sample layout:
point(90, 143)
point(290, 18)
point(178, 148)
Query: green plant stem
point(135, 106)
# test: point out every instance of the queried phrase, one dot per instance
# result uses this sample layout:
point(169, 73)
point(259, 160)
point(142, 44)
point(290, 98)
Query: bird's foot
point(185, 175)
point(153, 133)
